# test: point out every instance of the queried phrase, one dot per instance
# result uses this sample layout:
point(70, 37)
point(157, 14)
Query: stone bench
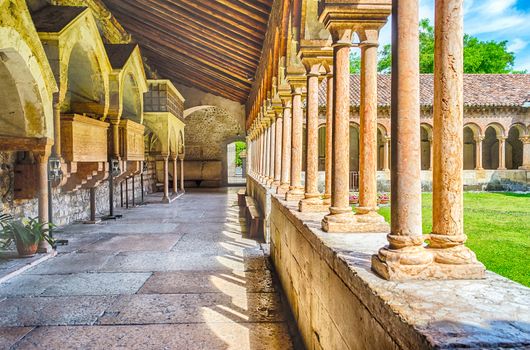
point(254, 218)
point(241, 194)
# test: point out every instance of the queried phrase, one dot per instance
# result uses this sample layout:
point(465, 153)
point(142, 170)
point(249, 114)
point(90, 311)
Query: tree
point(479, 56)
point(240, 147)
point(355, 62)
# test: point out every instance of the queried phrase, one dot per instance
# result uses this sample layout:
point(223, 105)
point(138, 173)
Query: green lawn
point(498, 230)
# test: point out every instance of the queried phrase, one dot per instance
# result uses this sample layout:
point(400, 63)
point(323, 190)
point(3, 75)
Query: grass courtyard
point(498, 230)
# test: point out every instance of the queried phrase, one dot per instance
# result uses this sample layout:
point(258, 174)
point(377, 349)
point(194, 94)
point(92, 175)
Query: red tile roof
point(479, 90)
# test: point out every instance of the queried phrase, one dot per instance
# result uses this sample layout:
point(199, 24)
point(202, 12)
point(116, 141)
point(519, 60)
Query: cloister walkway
point(178, 276)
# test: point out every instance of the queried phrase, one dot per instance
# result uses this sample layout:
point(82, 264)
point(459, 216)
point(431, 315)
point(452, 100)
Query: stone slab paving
point(177, 276)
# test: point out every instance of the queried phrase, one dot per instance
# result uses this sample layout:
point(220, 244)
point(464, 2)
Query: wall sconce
point(115, 167)
point(54, 169)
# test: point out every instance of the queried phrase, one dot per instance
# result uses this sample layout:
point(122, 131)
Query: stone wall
point(208, 132)
point(339, 303)
point(67, 207)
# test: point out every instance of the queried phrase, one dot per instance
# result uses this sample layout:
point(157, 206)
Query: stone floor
point(177, 276)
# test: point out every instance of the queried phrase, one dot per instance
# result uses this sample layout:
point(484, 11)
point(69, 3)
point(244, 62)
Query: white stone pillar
point(165, 198)
point(526, 152)
point(478, 151)
point(386, 154)
point(502, 153)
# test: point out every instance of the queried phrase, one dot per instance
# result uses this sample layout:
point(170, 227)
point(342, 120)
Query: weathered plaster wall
point(208, 132)
point(67, 207)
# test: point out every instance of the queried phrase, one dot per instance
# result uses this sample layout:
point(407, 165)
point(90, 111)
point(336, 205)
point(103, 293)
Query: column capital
point(314, 54)
point(479, 138)
point(369, 36)
point(525, 139)
point(501, 138)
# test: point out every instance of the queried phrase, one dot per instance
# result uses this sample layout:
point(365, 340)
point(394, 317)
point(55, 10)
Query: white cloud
point(517, 45)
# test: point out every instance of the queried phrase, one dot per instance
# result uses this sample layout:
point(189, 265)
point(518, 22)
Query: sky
point(497, 20)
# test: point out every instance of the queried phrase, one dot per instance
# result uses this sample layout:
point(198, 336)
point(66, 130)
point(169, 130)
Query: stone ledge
point(490, 313)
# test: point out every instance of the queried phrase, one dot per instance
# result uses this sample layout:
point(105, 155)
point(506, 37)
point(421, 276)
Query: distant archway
point(514, 148)
point(322, 148)
point(354, 147)
point(470, 149)
point(490, 147)
point(236, 154)
point(426, 140)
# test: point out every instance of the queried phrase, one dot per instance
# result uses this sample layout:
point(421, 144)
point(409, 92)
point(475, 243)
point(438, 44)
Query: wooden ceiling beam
point(256, 30)
point(213, 35)
point(171, 55)
point(237, 64)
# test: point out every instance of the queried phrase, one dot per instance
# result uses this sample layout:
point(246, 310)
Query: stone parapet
point(339, 303)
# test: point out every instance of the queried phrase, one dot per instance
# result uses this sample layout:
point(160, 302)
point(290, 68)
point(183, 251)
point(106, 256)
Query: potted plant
point(26, 233)
point(354, 198)
point(383, 198)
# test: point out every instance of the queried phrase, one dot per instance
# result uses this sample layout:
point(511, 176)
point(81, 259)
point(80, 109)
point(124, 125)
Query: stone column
point(446, 242)
point(367, 210)
point(278, 149)
point(431, 154)
point(312, 202)
point(267, 153)
point(502, 153)
point(57, 125)
point(272, 151)
point(478, 151)
point(165, 198)
point(42, 193)
point(386, 154)
point(526, 152)
point(296, 191)
point(341, 217)
point(115, 130)
point(405, 257)
point(260, 155)
point(175, 177)
point(182, 174)
point(329, 136)
point(286, 148)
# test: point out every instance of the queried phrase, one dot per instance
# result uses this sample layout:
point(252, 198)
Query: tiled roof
point(479, 90)
point(53, 19)
point(119, 54)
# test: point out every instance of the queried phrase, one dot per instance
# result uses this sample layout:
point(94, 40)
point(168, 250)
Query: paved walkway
point(178, 276)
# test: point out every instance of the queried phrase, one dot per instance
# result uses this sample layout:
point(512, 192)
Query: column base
point(44, 247)
point(166, 200)
point(275, 183)
point(294, 194)
point(397, 271)
point(349, 222)
point(375, 219)
point(282, 189)
point(312, 205)
point(269, 182)
point(525, 167)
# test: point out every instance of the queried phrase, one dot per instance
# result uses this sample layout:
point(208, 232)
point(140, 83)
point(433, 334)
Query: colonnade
point(407, 255)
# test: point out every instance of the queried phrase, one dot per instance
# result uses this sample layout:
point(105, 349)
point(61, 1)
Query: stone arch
point(132, 99)
point(426, 146)
point(382, 136)
point(470, 148)
point(490, 146)
point(85, 91)
point(514, 147)
point(80, 41)
point(354, 146)
point(26, 91)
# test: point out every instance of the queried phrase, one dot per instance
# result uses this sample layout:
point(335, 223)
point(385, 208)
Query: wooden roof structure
point(214, 45)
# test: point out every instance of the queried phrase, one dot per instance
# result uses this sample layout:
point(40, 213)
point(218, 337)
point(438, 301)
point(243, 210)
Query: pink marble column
point(286, 149)
point(272, 152)
point(266, 151)
point(296, 191)
point(329, 136)
point(341, 216)
point(405, 257)
point(261, 154)
point(447, 239)
point(312, 202)
point(42, 195)
point(478, 151)
point(278, 150)
point(502, 153)
point(386, 154)
point(367, 209)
